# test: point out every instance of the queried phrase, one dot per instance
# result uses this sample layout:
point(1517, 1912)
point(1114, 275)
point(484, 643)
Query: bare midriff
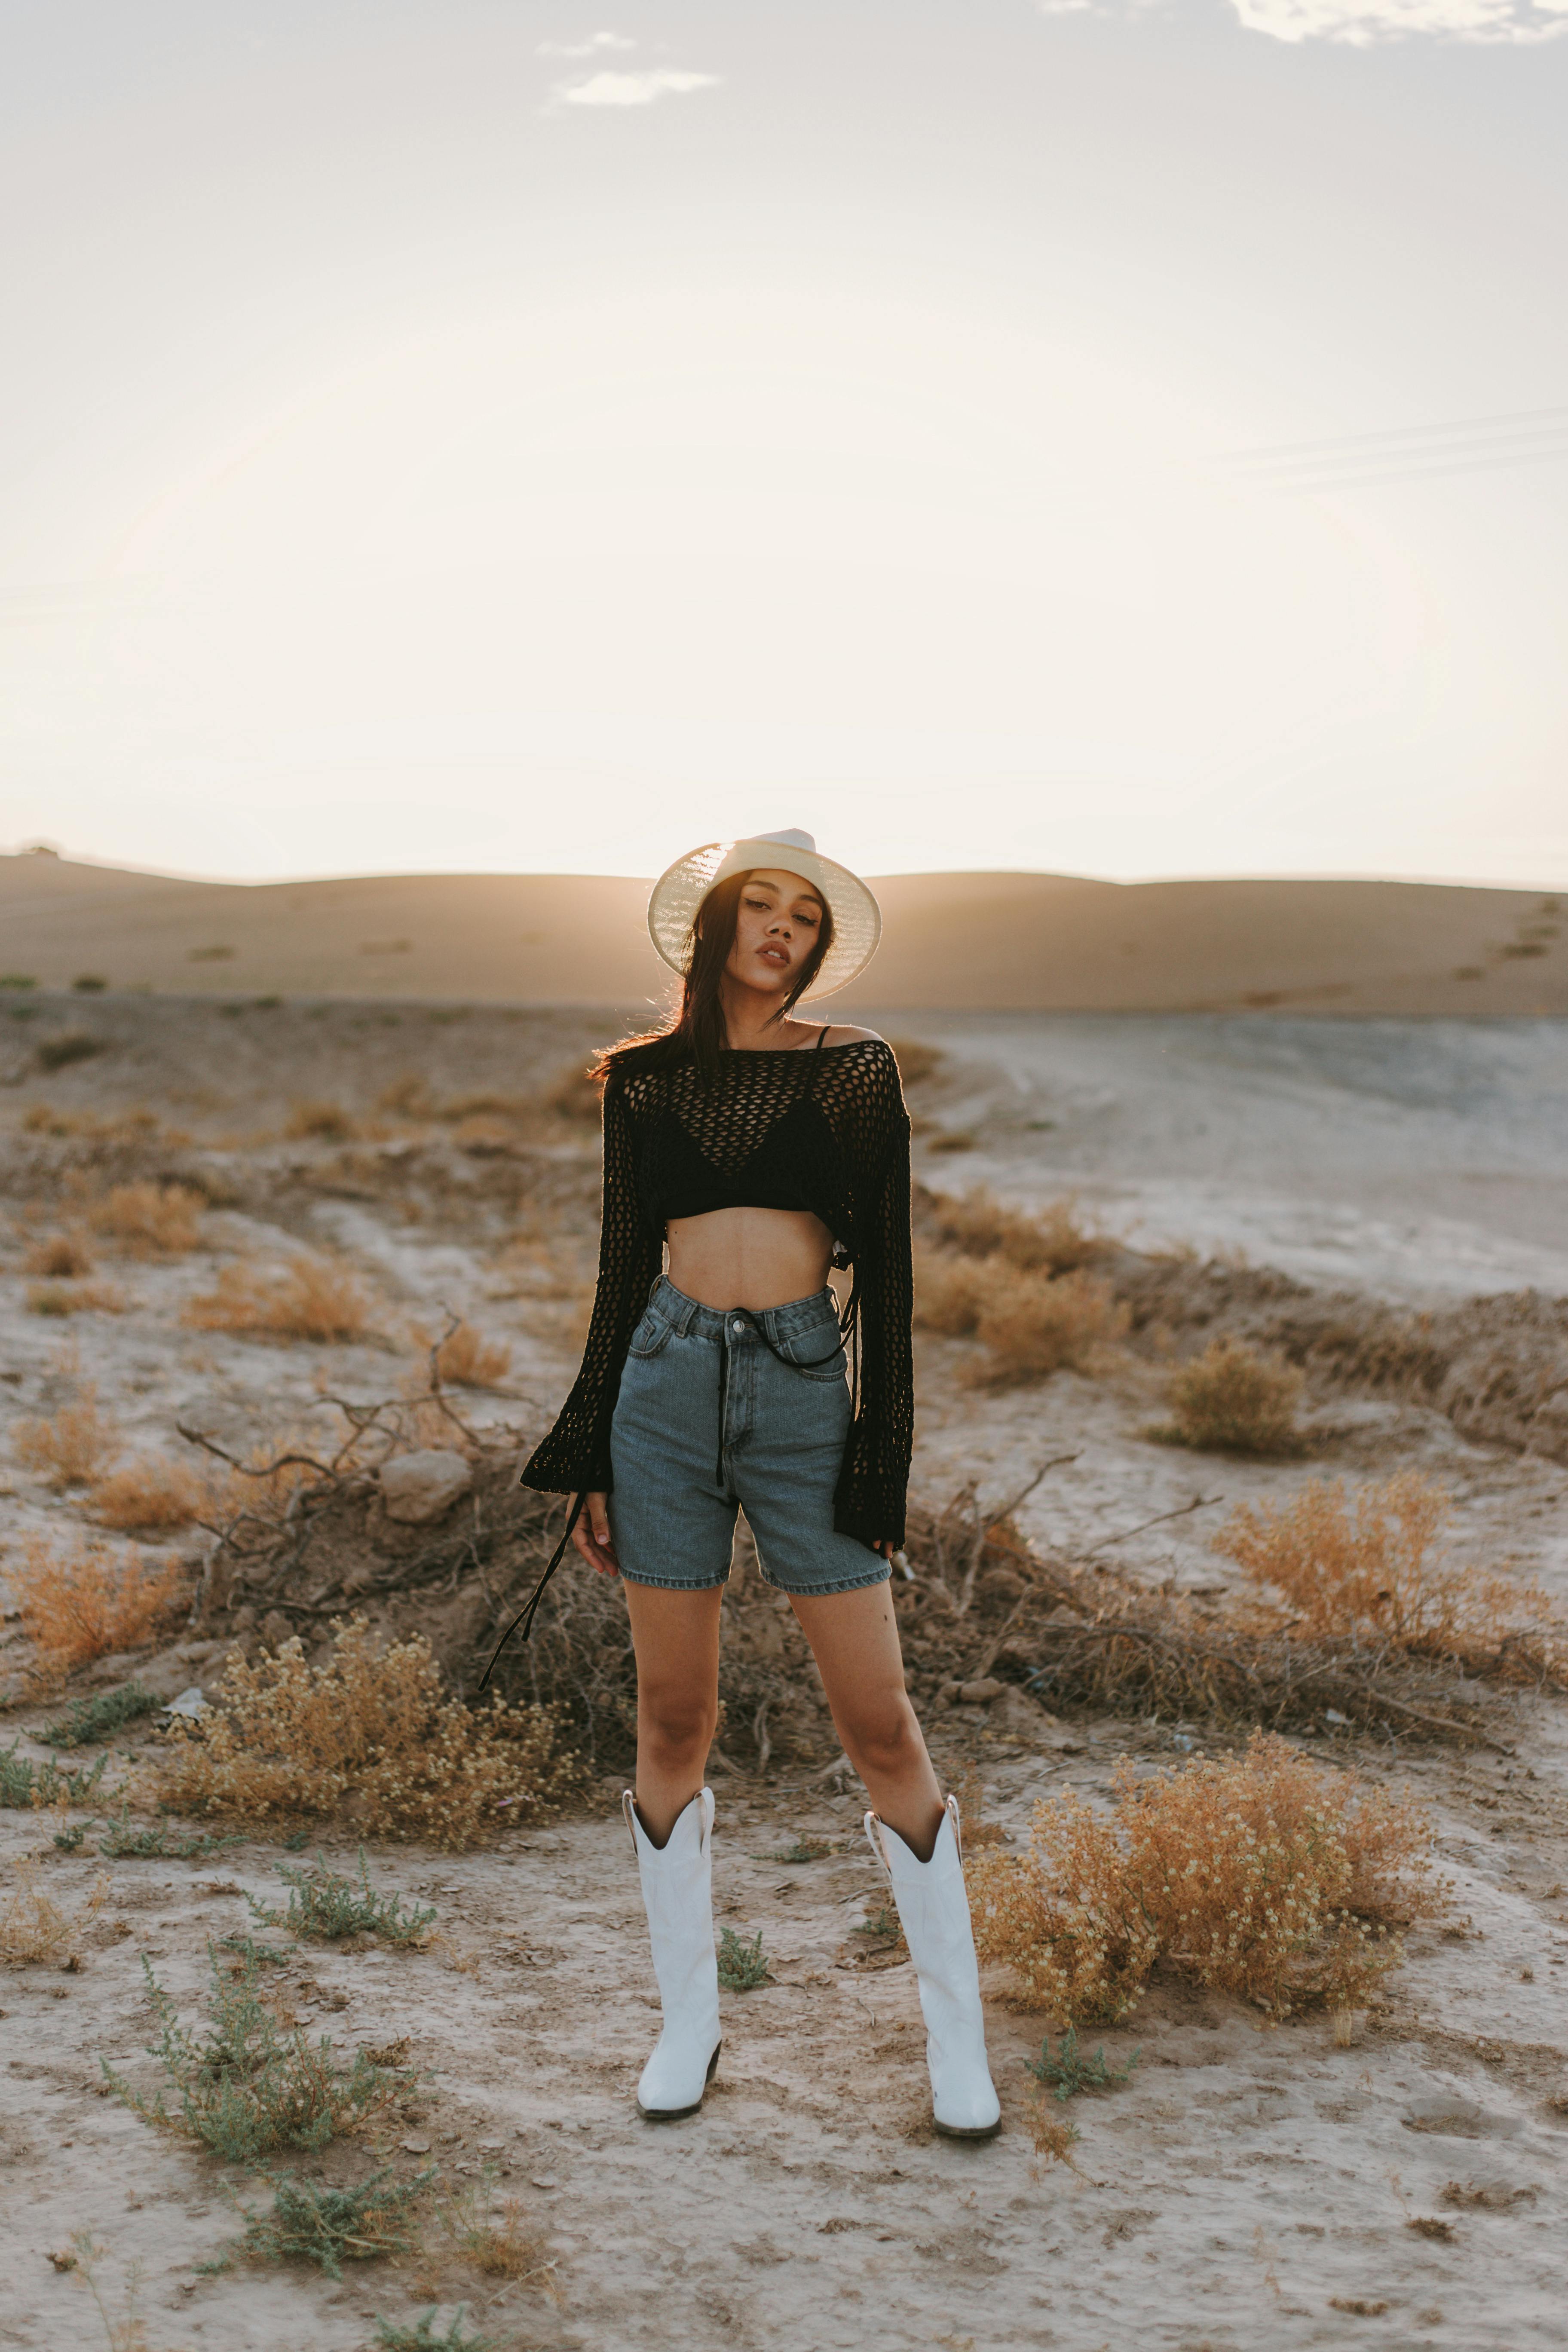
point(749, 1258)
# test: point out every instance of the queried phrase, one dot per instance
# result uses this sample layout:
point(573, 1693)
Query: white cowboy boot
point(677, 1895)
point(933, 1910)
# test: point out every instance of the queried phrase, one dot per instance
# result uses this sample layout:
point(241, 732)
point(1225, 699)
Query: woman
point(759, 1149)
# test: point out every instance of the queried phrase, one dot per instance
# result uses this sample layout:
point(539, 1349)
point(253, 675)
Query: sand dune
point(1021, 942)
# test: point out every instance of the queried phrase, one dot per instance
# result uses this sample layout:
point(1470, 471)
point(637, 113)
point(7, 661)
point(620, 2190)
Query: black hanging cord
point(525, 1615)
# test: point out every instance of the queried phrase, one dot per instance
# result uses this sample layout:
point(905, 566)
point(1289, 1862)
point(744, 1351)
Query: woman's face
point(777, 924)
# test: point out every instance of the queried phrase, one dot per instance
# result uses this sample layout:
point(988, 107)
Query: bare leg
point(854, 1638)
point(676, 1635)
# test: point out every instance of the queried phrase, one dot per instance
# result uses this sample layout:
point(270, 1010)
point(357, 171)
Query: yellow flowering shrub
point(1262, 1875)
point(371, 1735)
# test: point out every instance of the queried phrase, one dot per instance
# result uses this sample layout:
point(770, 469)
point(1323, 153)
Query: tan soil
point(1249, 2188)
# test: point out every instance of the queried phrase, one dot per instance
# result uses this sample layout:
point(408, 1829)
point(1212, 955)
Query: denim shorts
point(710, 1420)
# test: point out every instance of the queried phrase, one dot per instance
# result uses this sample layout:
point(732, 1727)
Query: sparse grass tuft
point(1071, 2070)
point(1369, 1570)
point(76, 1298)
point(741, 1966)
point(288, 1741)
point(72, 1446)
point(800, 1850)
point(150, 1220)
point(310, 2222)
point(469, 1360)
point(88, 1602)
point(1052, 2136)
point(422, 2337)
point(151, 1494)
point(324, 1904)
point(29, 1781)
point(63, 1257)
point(34, 1931)
point(87, 1720)
point(311, 1298)
point(249, 2085)
point(158, 1843)
point(1261, 1875)
point(1234, 1399)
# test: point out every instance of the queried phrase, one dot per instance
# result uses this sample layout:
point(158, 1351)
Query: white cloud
point(1364, 23)
point(630, 89)
point(594, 46)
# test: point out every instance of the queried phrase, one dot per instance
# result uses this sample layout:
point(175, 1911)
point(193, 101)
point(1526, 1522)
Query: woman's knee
point(885, 1733)
point(680, 1722)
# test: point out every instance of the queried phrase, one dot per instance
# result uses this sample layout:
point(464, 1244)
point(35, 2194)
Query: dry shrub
point(470, 1361)
point(90, 1601)
point(1053, 1241)
point(152, 1493)
point(150, 1220)
point(576, 1095)
point(1261, 1875)
point(1368, 1569)
point(62, 1257)
point(1233, 1399)
point(1036, 1326)
point(320, 1122)
point(310, 1298)
point(32, 1930)
point(917, 1061)
point(948, 1293)
point(371, 1735)
point(76, 1298)
point(72, 1446)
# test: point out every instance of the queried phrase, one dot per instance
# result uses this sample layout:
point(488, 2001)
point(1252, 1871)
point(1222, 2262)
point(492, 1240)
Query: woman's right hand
point(591, 1536)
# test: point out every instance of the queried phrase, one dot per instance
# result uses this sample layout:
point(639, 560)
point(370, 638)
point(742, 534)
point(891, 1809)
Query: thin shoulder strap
point(815, 1065)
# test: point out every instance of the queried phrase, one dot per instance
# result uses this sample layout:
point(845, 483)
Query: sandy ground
point(1248, 2187)
point(1039, 942)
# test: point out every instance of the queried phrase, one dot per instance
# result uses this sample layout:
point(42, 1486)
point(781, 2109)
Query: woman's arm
point(873, 1483)
point(575, 1456)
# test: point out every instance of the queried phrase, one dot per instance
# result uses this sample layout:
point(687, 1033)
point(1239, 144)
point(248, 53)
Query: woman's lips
point(774, 955)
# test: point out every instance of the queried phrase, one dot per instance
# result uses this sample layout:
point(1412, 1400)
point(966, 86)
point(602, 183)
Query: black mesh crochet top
point(823, 1129)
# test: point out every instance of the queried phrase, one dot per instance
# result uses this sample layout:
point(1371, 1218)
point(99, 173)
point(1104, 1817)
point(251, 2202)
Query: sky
point(1124, 437)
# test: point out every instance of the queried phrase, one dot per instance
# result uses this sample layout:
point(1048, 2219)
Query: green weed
point(741, 1966)
point(1072, 2071)
point(323, 1903)
point(255, 1955)
point(25, 1781)
point(799, 1850)
point(69, 1841)
point(310, 2222)
point(422, 2337)
point(121, 1842)
point(883, 1924)
point(89, 1720)
point(249, 2085)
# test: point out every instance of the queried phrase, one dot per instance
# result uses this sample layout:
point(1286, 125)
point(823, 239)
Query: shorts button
point(737, 1330)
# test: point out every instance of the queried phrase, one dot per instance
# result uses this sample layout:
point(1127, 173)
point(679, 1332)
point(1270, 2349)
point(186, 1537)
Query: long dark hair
point(695, 1030)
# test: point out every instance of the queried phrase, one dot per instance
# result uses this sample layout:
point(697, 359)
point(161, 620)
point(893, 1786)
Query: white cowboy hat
point(681, 888)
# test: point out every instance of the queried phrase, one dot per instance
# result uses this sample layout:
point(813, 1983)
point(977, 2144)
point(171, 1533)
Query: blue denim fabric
point(708, 1419)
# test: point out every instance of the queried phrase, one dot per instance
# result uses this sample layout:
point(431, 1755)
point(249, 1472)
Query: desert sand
point(1024, 942)
point(1250, 2186)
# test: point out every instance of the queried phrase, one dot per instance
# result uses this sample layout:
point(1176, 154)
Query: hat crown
point(790, 837)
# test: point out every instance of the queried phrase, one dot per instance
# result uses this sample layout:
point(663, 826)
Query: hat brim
point(679, 891)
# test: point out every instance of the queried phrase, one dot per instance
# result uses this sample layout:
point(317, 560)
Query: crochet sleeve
point(575, 1456)
point(870, 1498)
